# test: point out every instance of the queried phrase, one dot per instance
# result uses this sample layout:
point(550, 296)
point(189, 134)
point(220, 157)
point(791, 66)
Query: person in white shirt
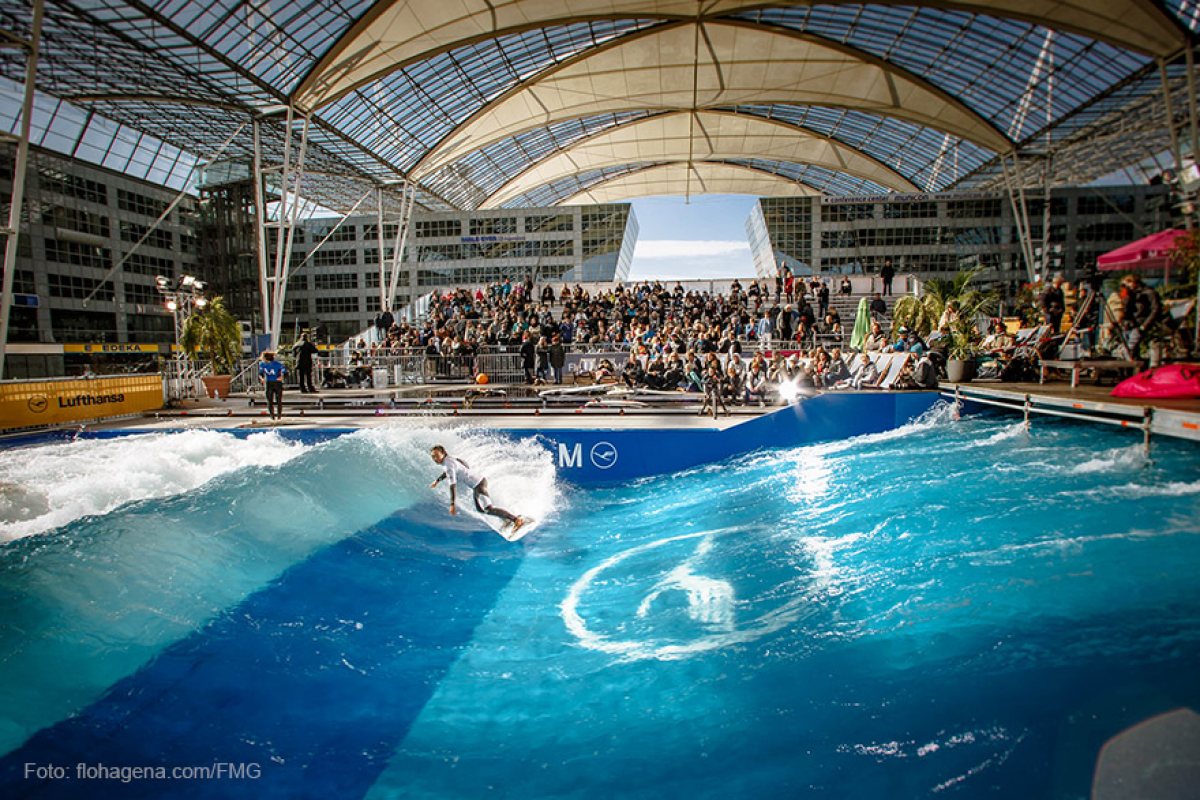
point(457, 470)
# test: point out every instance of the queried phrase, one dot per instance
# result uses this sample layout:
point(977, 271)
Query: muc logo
point(603, 455)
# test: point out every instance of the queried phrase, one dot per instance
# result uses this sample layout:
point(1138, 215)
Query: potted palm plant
point(963, 350)
point(210, 329)
point(924, 313)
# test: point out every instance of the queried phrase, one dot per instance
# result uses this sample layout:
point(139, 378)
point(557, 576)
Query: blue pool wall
point(605, 455)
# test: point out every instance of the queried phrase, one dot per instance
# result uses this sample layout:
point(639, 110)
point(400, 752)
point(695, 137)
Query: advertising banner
point(26, 404)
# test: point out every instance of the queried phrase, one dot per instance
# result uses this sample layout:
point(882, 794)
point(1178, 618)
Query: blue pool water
point(956, 608)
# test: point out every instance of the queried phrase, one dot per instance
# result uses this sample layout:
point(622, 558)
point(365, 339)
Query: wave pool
point(955, 608)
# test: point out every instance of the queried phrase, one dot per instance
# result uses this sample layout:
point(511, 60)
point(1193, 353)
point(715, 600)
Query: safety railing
point(181, 380)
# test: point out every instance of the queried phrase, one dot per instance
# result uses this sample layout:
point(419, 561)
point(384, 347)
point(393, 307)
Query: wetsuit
point(457, 470)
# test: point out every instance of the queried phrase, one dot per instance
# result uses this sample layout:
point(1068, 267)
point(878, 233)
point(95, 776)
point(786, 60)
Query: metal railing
point(181, 380)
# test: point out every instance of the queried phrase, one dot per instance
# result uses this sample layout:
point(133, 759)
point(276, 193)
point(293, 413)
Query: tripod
point(1108, 316)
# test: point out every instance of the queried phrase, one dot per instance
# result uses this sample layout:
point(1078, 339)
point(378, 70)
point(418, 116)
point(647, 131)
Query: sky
point(699, 238)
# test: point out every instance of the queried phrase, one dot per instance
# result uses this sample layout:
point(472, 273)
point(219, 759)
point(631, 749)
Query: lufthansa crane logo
point(38, 404)
point(604, 455)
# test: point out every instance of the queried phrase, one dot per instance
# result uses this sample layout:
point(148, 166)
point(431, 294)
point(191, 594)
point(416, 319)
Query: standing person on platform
point(822, 300)
point(305, 353)
point(886, 274)
point(558, 357)
point(271, 373)
point(383, 322)
point(457, 470)
point(1053, 303)
point(1143, 309)
point(528, 357)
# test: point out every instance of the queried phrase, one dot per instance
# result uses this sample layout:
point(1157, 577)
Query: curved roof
point(692, 66)
point(683, 179)
point(401, 32)
point(700, 137)
point(487, 102)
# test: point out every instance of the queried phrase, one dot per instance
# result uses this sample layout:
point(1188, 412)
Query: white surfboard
point(501, 527)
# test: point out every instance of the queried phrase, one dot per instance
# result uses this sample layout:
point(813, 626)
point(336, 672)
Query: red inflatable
point(1173, 380)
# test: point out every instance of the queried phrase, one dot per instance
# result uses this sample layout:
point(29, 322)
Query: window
point(845, 212)
point(373, 304)
point(142, 264)
point(910, 210)
point(973, 209)
point(536, 223)
point(142, 294)
point(439, 227)
point(439, 252)
point(334, 258)
point(337, 280)
point(133, 232)
point(140, 203)
point(76, 220)
point(82, 255)
point(390, 229)
point(337, 305)
point(1107, 204)
point(493, 226)
point(55, 180)
point(78, 288)
point(345, 233)
point(1105, 232)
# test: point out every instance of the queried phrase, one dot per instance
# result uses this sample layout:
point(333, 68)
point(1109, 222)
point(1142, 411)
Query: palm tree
point(214, 331)
point(923, 313)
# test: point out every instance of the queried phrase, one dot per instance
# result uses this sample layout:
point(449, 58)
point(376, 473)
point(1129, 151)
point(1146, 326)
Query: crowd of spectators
point(677, 340)
point(644, 317)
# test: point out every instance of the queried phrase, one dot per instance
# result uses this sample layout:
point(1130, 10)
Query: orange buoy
point(481, 378)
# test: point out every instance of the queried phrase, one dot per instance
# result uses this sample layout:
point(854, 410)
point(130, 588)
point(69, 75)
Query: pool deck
point(1086, 402)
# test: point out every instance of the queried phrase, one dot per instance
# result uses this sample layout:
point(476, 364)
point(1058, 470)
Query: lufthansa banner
point(25, 404)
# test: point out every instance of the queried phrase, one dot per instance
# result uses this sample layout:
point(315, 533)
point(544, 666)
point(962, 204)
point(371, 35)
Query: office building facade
point(931, 235)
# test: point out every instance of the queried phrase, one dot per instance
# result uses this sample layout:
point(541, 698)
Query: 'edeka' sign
point(26, 404)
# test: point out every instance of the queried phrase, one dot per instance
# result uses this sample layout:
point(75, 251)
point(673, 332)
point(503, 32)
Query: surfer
point(456, 470)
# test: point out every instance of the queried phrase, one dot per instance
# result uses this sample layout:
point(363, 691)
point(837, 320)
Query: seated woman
point(605, 371)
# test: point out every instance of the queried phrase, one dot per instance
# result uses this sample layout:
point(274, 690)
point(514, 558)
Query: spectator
point(1143, 310)
point(1053, 303)
point(886, 275)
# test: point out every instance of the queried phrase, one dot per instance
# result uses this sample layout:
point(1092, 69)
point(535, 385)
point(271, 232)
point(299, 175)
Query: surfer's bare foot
point(517, 524)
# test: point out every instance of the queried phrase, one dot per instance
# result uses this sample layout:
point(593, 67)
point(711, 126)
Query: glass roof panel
point(1003, 69)
point(553, 193)
point(928, 158)
point(819, 178)
point(401, 116)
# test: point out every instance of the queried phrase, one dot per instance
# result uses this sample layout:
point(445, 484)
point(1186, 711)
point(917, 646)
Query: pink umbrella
point(1151, 252)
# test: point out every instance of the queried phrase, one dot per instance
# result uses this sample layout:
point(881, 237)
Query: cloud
point(689, 248)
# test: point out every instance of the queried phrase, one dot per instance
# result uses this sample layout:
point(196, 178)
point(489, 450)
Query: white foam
point(1121, 459)
point(711, 601)
point(43, 488)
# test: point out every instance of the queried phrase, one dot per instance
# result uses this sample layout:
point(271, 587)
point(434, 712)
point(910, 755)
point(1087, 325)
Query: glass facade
point(930, 235)
point(83, 223)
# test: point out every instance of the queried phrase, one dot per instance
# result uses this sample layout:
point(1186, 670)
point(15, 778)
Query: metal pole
point(383, 306)
point(281, 289)
point(260, 229)
point(18, 186)
point(275, 321)
point(1191, 85)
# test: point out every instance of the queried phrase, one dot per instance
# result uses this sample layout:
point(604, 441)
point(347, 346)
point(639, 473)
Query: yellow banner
point(26, 404)
point(125, 347)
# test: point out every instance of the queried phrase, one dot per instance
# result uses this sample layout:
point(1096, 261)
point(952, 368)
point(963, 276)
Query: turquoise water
point(959, 607)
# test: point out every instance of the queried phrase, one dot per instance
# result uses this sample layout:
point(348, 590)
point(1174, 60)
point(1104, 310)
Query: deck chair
point(585, 369)
point(895, 365)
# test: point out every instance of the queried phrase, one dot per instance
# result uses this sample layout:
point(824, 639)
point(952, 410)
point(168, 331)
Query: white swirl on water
point(711, 602)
